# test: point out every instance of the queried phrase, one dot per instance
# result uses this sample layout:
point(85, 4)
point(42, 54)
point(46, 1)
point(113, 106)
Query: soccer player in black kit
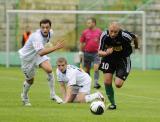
point(115, 49)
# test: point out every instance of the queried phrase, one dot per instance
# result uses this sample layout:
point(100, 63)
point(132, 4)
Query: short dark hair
point(44, 21)
point(93, 19)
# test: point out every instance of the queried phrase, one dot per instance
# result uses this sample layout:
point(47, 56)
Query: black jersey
point(121, 44)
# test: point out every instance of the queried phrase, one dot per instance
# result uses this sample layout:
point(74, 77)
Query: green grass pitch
point(137, 101)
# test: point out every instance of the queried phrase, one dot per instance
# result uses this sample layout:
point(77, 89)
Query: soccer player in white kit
point(75, 84)
point(34, 54)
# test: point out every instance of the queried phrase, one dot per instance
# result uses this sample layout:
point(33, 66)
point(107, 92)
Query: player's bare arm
point(58, 45)
point(63, 89)
point(82, 45)
point(136, 42)
point(69, 94)
point(105, 53)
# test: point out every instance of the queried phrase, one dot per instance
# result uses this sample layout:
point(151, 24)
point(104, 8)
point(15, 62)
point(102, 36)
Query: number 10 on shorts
point(105, 65)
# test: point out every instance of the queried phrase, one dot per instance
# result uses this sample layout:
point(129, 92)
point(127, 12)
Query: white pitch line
point(136, 96)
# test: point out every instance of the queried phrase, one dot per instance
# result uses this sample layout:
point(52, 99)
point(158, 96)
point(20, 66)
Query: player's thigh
point(107, 65)
point(28, 68)
point(46, 66)
point(44, 63)
point(96, 61)
point(108, 78)
point(123, 68)
point(88, 58)
point(86, 88)
point(80, 97)
point(72, 98)
point(108, 68)
point(83, 91)
point(122, 71)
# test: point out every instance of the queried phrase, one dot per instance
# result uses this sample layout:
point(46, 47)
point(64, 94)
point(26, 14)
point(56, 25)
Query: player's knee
point(108, 81)
point(118, 82)
point(118, 85)
point(96, 70)
point(50, 77)
point(30, 81)
point(87, 69)
point(80, 100)
point(68, 101)
point(49, 70)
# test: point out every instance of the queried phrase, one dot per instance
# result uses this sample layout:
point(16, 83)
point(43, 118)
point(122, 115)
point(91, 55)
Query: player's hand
point(137, 48)
point(57, 99)
point(59, 44)
point(109, 51)
point(80, 53)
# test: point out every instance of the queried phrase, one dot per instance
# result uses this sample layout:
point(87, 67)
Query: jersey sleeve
point(59, 76)
point(82, 38)
point(37, 43)
point(128, 36)
point(102, 41)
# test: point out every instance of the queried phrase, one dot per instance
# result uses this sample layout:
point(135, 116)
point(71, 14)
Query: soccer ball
point(97, 107)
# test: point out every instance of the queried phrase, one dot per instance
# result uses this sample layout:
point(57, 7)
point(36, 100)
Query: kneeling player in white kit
point(33, 54)
point(75, 84)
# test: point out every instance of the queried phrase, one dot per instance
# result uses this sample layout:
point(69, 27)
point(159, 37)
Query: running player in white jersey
point(34, 54)
point(75, 84)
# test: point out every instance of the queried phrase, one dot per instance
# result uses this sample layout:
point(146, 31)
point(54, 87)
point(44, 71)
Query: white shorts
point(28, 67)
point(83, 89)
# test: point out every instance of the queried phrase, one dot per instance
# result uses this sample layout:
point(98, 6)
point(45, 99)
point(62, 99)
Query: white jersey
point(73, 76)
point(35, 43)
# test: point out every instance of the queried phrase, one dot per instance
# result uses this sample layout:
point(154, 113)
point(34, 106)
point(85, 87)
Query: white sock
point(91, 97)
point(26, 87)
point(51, 84)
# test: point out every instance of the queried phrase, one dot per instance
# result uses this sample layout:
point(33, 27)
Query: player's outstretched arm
point(58, 45)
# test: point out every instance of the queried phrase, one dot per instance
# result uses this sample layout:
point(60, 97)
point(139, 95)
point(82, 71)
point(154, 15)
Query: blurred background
point(70, 26)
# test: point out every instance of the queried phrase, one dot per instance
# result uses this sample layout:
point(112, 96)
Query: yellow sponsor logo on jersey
point(117, 48)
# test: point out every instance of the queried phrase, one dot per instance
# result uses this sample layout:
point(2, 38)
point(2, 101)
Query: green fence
point(152, 61)
point(14, 59)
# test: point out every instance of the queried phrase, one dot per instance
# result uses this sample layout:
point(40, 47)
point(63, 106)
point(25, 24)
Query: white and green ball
point(97, 107)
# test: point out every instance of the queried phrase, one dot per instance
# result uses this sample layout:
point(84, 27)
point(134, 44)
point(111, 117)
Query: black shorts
point(120, 66)
point(90, 58)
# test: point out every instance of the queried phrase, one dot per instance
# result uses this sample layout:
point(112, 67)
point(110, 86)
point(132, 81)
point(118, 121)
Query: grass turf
point(137, 101)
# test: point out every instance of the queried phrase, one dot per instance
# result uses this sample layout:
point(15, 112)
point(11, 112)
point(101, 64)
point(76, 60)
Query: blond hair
point(61, 59)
